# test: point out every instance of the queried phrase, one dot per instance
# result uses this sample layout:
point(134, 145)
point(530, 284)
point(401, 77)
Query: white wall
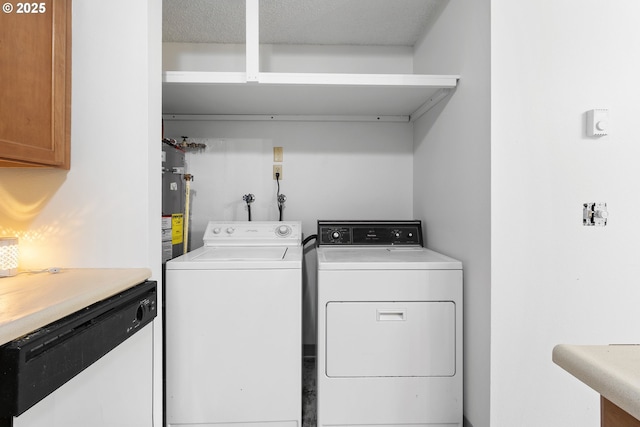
point(105, 211)
point(553, 280)
point(154, 185)
point(331, 170)
point(288, 58)
point(452, 178)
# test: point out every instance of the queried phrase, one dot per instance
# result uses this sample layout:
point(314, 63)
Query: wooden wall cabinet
point(35, 82)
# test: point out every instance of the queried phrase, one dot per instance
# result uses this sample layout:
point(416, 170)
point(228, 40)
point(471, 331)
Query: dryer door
point(391, 339)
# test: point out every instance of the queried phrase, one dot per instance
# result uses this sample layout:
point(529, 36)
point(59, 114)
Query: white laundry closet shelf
point(256, 95)
point(404, 96)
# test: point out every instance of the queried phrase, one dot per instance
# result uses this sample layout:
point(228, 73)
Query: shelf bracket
point(433, 100)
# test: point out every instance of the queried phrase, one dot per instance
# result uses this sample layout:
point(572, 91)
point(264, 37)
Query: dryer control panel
point(370, 233)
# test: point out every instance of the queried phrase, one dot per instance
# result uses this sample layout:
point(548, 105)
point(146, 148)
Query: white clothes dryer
point(234, 328)
point(389, 327)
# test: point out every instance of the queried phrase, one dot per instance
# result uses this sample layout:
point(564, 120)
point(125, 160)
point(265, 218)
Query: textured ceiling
point(358, 22)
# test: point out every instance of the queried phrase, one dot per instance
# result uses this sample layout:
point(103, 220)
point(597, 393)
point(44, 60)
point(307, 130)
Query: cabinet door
point(35, 73)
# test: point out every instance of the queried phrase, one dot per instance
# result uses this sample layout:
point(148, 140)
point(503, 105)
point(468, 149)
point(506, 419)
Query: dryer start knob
point(230, 230)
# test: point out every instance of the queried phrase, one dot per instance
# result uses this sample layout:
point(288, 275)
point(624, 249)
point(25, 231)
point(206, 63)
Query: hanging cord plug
point(249, 198)
point(281, 198)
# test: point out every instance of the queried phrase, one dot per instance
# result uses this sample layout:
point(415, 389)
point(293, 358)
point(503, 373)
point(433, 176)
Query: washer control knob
point(396, 233)
point(283, 230)
point(335, 235)
point(217, 230)
point(230, 230)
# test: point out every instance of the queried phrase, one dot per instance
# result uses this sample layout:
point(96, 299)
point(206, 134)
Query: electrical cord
point(280, 197)
point(309, 238)
point(51, 270)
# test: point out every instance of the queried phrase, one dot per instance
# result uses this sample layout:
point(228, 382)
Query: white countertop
point(31, 301)
point(611, 370)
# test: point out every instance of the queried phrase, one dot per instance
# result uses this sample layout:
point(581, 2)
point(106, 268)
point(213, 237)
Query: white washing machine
point(234, 329)
point(389, 327)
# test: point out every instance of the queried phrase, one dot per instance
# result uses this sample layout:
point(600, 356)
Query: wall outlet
point(277, 169)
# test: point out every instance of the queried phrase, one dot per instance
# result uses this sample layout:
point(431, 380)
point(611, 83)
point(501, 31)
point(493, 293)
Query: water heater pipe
point(188, 178)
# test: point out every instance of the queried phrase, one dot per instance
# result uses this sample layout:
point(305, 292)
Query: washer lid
point(239, 258)
point(384, 258)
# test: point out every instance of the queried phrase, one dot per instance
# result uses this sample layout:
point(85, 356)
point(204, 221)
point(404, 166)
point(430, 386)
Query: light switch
point(598, 122)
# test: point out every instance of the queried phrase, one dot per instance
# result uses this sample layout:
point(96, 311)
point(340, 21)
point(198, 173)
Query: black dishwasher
point(36, 364)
